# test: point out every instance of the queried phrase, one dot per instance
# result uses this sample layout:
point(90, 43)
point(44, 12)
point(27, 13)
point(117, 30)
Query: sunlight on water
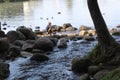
point(39, 12)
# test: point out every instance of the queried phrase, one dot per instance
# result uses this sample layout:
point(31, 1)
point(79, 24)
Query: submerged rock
point(39, 57)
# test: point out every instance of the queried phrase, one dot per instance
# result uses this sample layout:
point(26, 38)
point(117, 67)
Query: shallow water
point(35, 13)
point(57, 68)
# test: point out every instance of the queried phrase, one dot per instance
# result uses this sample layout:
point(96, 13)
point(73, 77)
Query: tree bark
point(103, 34)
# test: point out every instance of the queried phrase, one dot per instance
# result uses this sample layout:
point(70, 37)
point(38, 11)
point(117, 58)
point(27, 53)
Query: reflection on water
point(39, 12)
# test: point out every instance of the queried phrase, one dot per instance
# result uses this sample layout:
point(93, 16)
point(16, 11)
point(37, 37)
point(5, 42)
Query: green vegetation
point(113, 75)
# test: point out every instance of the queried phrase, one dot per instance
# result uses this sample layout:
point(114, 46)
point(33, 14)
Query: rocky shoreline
point(24, 42)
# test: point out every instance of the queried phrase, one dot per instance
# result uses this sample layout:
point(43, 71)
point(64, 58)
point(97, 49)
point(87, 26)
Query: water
point(35, 13)
point(57, 68)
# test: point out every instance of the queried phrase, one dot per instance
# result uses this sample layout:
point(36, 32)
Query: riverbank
point(44, 55)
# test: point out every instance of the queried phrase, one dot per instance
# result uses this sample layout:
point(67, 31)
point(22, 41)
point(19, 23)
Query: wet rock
point(85, 77)
point(83, 33)
point(27, 47)
point(19, 43)
point(2, 34)
point(26, 54)
point(118, 26)
point(80, 65)
point(54, 41)
point(15, 35)
point(14, 52)
point(91, 32)
point(66, 25)
point(44, 44)
point(93, 69)
point(115, 32)
point(28, 33)
point(37, 51)
point(30, 41)
point(4, 46)
point(62, 43)
point(89, 38)
point(70, 29)
point(39, 57)
point(83, 27)
point(4, 70)
point(100, 74)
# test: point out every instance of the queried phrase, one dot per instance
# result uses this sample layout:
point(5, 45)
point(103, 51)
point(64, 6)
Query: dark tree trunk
point(107, 50)
point(104, 36)
point(0, 26)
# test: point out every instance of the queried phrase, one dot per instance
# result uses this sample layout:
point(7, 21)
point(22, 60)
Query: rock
point(89, 38)
point(115, 32)
point(14, 52)
point(39, 57)
point(2, 34)
point(4, 70)
point(66, 25)
point(118, 26)
point(4, 46)
point(91, 32)
point(28, 33)
point(54, 41)
point(37, 51)
point(62, 43)
point(19, 43)
point(27, 47)
point(44, 44)
point(26, 54)
point(82, 27)
point(85, 77)
point(83, 33)
point(100, 74)
point(70, 29)
point(15, 35)
point(93, 69)
point(80, 65)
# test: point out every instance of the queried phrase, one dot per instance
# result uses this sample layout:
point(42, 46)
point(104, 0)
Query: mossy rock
point(80, 65)
point(112, 75)
point(100, 54)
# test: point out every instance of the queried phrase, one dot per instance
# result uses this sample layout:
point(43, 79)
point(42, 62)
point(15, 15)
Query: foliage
point(113, 75)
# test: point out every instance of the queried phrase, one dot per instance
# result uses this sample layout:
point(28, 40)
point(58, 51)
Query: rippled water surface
point(38, 12)
point(57, 68)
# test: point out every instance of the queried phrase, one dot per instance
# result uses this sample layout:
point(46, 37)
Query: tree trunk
point(103, 34)
point(107, 50)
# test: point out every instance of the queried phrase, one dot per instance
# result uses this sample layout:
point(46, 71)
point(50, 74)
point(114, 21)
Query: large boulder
point(44, 44)
point(4, 46)
point(80, 65)
point(28, 33)
point(39, 57)
point(4, 70)
point(15, 35)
